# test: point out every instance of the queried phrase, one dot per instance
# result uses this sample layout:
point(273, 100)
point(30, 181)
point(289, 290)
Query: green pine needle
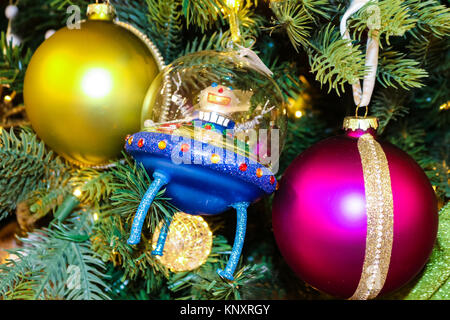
point(334, 61)
point(396, 70)
point(25, 166)
point(295, 19)
point(432, 17)
point(389, 17)
point(216, 41)
point(129, 184)
point(202, 13)
point(54, 267)
point(388, 105)
point(166, 27)
point(207, 284)
point(13, 64)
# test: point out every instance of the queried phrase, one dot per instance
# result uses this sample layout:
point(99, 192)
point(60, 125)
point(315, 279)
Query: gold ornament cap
point(362, 123)
point(101, 11)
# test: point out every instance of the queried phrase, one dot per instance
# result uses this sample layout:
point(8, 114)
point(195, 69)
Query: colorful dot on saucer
point(162, 145)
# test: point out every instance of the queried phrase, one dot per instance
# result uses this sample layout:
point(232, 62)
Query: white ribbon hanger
point(362, 96)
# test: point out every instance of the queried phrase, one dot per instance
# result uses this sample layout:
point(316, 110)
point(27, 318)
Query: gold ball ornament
point(84, 88)
point(188, 243)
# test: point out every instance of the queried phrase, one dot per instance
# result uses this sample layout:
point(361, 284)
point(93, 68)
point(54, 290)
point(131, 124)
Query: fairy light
point(77, 193)
point(95, 216)
point(188, 243)
point(445, 106)
point(10, 97)
point(296, 107)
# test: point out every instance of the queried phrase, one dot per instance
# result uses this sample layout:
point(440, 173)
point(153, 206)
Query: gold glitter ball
point(188, 243)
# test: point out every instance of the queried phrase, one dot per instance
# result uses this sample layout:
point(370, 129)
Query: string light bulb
point(10, 97)
point(188, 243)
point(77, 193)
point(70, 202)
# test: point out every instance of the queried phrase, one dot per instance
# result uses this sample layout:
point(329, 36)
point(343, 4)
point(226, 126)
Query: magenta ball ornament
point(320, 219)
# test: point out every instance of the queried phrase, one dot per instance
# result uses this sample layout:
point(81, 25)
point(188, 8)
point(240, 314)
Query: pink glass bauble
point(320, 222)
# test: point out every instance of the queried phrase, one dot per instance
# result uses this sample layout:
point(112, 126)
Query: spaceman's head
point(222, 99)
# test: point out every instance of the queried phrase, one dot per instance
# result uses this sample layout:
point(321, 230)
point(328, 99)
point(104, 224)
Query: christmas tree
point(65, 226)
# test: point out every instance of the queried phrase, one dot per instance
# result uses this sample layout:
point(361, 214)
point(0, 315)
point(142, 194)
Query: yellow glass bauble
point(84, 88)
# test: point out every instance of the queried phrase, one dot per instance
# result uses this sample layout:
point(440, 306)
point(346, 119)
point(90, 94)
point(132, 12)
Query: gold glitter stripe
point(380, 218)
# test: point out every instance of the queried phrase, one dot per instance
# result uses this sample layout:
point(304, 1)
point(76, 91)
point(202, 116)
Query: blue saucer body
point(199, 179)
point(200, 187)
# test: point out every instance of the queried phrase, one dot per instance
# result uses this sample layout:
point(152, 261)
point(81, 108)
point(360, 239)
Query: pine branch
point(301, 134)
point(411, 139)
point(432, 52)
point(410, 136)
point(202, 13)
point(25, 166)
point(47, 259)
point(37, 16)
point(61, 5)
point(334, 61)
point(13, 64)
point(286, 76)
point(207, 285)
point(166, 26)
point(129, 185)
point(321, 8)
point(432, 17)
point(133, 12)
point(204, 283)
point(95, 186)
point(388, 105)
point(216, 41)
point(395, 69)
point(295, 20)
point(389, 17)
point(22, 289)
point(15, 274)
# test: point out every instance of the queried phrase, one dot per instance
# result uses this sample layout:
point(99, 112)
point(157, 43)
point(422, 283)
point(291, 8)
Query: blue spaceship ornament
point(202, 141)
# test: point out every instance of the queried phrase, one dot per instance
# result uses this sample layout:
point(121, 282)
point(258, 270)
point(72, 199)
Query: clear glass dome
point(225, 98)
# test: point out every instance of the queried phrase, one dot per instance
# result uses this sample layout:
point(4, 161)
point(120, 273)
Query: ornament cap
point(101, 11)
point(360, 123)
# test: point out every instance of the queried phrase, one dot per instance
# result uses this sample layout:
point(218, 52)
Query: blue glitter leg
point(241, 210)
point(162, 238)
point(160, 179)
